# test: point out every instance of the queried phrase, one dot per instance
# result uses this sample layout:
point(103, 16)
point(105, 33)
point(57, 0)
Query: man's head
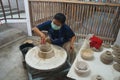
point(59, 19)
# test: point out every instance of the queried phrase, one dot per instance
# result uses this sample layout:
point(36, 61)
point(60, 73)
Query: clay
point(87, 54)
point(117, 78)
point(116, 67)
point(81, 67)
point(46, 51)
point(45, 47)
point(106, 57)
point(97, 50)
point(116, 53)
point(97, 77)
point(116, 48)
point(117, 59)
point(106, 45)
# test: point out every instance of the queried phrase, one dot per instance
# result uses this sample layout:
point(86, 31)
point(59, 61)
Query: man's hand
point(72, 43)
point(42, 35)
point(43, 38)
point(71, 47)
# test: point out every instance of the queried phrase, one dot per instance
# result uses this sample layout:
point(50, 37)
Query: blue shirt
point(58, 37)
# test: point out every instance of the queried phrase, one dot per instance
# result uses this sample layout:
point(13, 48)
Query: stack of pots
point(116, 53)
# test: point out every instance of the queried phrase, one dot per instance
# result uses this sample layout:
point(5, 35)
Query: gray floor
point(11, 67)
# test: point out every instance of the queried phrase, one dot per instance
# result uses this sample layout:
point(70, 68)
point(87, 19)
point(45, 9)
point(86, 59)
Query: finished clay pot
point(106, 57)
point(81, 67)
point(116, 48)
point(97, 77)
point(116, 67)
point(87, 54)
point(117, 59)
point(116, 53)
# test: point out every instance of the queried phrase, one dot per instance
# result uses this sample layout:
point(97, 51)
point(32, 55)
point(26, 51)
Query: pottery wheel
point(35, 61)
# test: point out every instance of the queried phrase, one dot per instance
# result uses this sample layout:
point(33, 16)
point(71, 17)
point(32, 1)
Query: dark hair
point(60, 17)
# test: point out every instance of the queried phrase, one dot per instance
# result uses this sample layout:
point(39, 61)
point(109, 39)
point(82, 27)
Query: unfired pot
point(106, 57)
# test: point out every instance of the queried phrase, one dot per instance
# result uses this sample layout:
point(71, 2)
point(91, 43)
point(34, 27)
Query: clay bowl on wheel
point(46, 51)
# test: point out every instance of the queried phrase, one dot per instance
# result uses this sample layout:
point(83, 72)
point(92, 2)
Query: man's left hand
point(71, 47)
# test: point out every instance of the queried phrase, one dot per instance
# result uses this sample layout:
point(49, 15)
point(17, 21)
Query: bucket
point(25, 47)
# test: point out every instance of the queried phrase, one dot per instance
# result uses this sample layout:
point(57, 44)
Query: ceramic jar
point(87, 54)
point(116, 67)
point(117, 59)
point(97, 77)
point(46, 51)
point(106, 57)
point(116, 48)
point(116, 53)
point(81, 67)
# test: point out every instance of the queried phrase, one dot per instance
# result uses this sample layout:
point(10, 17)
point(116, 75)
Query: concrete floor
point(11, 67)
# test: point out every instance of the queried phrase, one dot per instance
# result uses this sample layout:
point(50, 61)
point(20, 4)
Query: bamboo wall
point(101, 19)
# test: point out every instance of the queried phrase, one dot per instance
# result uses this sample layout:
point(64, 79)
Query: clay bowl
point(87, 54)
point(97, 77)
point(46, 51)
point(106, 57)
point(117, 78)
point(117, 59)
point(116, 48)
point(106, 45)
point(81, 67)
point(45, 47)
point(116, 67)
point(116, 53)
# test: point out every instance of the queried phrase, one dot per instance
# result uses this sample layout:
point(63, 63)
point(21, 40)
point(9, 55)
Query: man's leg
point(71, 53)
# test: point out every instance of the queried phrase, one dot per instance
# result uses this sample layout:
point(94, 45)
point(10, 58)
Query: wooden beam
point(79, 2)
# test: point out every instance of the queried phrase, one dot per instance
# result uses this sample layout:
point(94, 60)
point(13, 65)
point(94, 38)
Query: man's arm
point(38, 29)
point(41, 34)
point(38, 32)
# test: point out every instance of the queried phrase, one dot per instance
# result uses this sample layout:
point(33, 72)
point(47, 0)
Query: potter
point(59, 33)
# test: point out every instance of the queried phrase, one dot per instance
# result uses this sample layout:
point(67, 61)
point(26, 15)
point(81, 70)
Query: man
point(60, 34)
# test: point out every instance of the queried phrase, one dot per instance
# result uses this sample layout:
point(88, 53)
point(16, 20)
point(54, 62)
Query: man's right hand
point(43, 38)
point(41, 34)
